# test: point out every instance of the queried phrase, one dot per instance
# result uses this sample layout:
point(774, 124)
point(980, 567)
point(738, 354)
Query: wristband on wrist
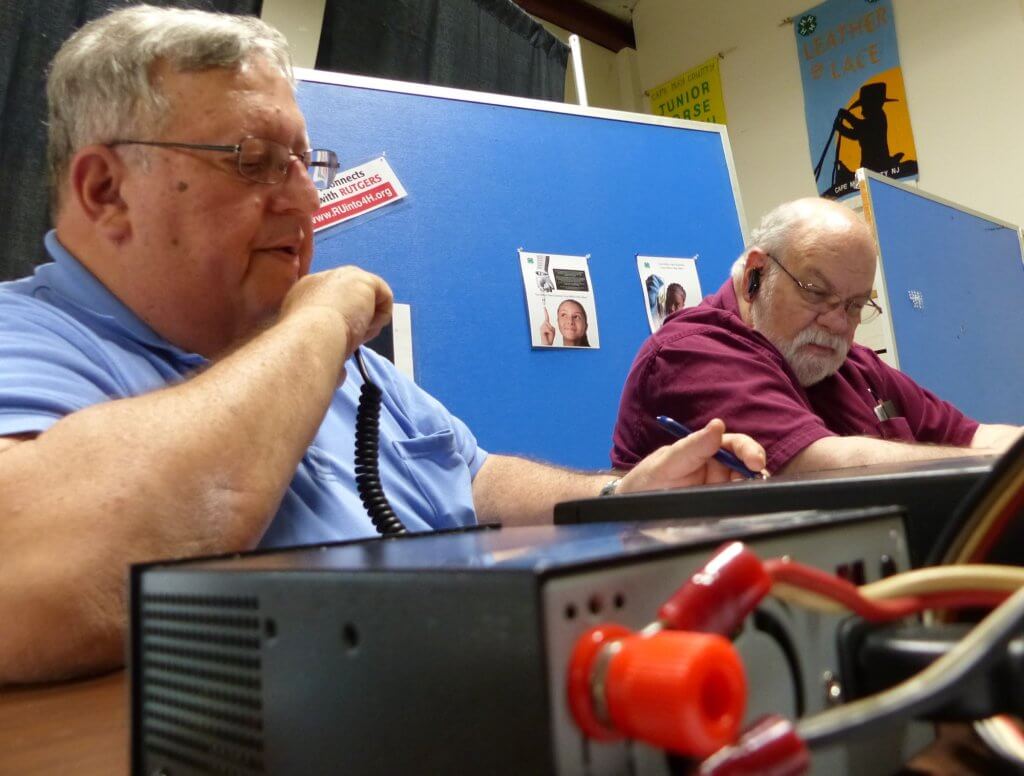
point(610, 487)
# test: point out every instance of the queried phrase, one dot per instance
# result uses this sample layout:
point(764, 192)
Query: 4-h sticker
point(807, 25)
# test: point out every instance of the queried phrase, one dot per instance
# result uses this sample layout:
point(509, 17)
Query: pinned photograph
point(669, 285)
point(559, 300)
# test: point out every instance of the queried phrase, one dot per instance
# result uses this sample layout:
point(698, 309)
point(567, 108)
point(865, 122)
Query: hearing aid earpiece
point(755, 282)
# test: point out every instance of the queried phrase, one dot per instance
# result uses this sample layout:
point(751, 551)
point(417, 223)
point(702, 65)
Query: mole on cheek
point(174, 241)
point(182, 186)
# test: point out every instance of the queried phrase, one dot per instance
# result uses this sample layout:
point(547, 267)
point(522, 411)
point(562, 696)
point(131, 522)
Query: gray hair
point(774, 234)
point(99, 86)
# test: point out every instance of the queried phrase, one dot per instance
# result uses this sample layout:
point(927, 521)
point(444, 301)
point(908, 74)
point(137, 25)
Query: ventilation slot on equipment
point(202, 694)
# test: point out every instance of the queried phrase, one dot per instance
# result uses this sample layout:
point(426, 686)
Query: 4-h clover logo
point(807, 24)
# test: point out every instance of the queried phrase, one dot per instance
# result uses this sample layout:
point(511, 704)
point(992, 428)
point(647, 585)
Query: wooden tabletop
point(78, 727)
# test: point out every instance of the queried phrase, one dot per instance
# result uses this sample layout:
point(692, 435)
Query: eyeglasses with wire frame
point(262, 160)
point(859, 309)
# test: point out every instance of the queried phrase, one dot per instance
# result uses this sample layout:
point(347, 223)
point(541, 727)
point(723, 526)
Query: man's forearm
point(996, 437)
point(196, 468)
point(840, 452)
point(515, 491)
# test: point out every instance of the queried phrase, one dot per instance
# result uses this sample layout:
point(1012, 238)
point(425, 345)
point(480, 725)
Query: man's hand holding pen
point(692, 460)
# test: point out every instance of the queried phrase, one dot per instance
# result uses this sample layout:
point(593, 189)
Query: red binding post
point(684, 692)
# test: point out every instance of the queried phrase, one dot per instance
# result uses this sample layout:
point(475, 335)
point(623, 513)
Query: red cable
point(847, 594)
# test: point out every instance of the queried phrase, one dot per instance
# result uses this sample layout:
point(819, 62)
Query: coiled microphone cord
point(368, 484)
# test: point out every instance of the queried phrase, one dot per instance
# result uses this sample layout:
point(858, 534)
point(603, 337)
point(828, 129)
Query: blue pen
point(723, 456)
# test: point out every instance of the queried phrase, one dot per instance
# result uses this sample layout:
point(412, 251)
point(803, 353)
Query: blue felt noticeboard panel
point(486, 178)
point(963, 339)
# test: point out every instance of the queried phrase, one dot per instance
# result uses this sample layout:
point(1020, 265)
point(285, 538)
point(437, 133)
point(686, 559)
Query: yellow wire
point(990, 510)
point(977, 527)
point(807, 599)
point(987, 577)
point(977, 577)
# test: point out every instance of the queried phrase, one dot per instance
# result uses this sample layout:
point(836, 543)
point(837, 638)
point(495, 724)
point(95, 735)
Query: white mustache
point(816, 336)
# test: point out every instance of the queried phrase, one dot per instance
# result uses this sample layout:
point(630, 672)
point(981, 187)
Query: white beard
point(809, 368)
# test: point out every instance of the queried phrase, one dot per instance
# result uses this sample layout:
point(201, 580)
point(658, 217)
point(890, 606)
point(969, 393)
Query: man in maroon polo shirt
point(772, 354)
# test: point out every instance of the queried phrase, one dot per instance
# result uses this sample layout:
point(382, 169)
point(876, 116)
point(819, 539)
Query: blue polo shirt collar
point(69, 278)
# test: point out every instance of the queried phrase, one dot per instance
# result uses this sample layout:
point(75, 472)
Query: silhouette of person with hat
point(872, 131)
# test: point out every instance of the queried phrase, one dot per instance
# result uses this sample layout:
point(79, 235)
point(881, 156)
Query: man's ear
point(755, 281)
point(95, 188)
point(753, 273)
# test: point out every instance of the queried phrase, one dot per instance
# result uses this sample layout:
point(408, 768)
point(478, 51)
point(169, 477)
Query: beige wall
point(300, 21)
point(612, 80)
point(963, 64)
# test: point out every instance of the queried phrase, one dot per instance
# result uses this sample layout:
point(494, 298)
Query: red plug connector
point(720, 596)
point(769, 747)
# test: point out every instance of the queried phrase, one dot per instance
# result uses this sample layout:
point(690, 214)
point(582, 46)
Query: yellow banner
point(695, 95)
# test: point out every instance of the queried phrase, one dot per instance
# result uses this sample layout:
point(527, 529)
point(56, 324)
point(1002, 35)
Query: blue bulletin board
point(487, 175)
point(955, 283)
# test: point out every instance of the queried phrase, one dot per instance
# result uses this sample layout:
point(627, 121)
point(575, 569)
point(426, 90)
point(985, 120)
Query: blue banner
point(854, 98)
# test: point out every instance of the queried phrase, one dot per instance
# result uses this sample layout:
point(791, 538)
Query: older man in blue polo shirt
point(170, 383)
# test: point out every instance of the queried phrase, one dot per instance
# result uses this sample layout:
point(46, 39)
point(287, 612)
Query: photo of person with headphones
point(669, 285)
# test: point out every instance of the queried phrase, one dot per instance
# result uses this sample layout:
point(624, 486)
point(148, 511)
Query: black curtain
point(485, 45)
point(30, 34)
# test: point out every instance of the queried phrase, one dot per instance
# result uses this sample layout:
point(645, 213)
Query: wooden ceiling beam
point(584, 20)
